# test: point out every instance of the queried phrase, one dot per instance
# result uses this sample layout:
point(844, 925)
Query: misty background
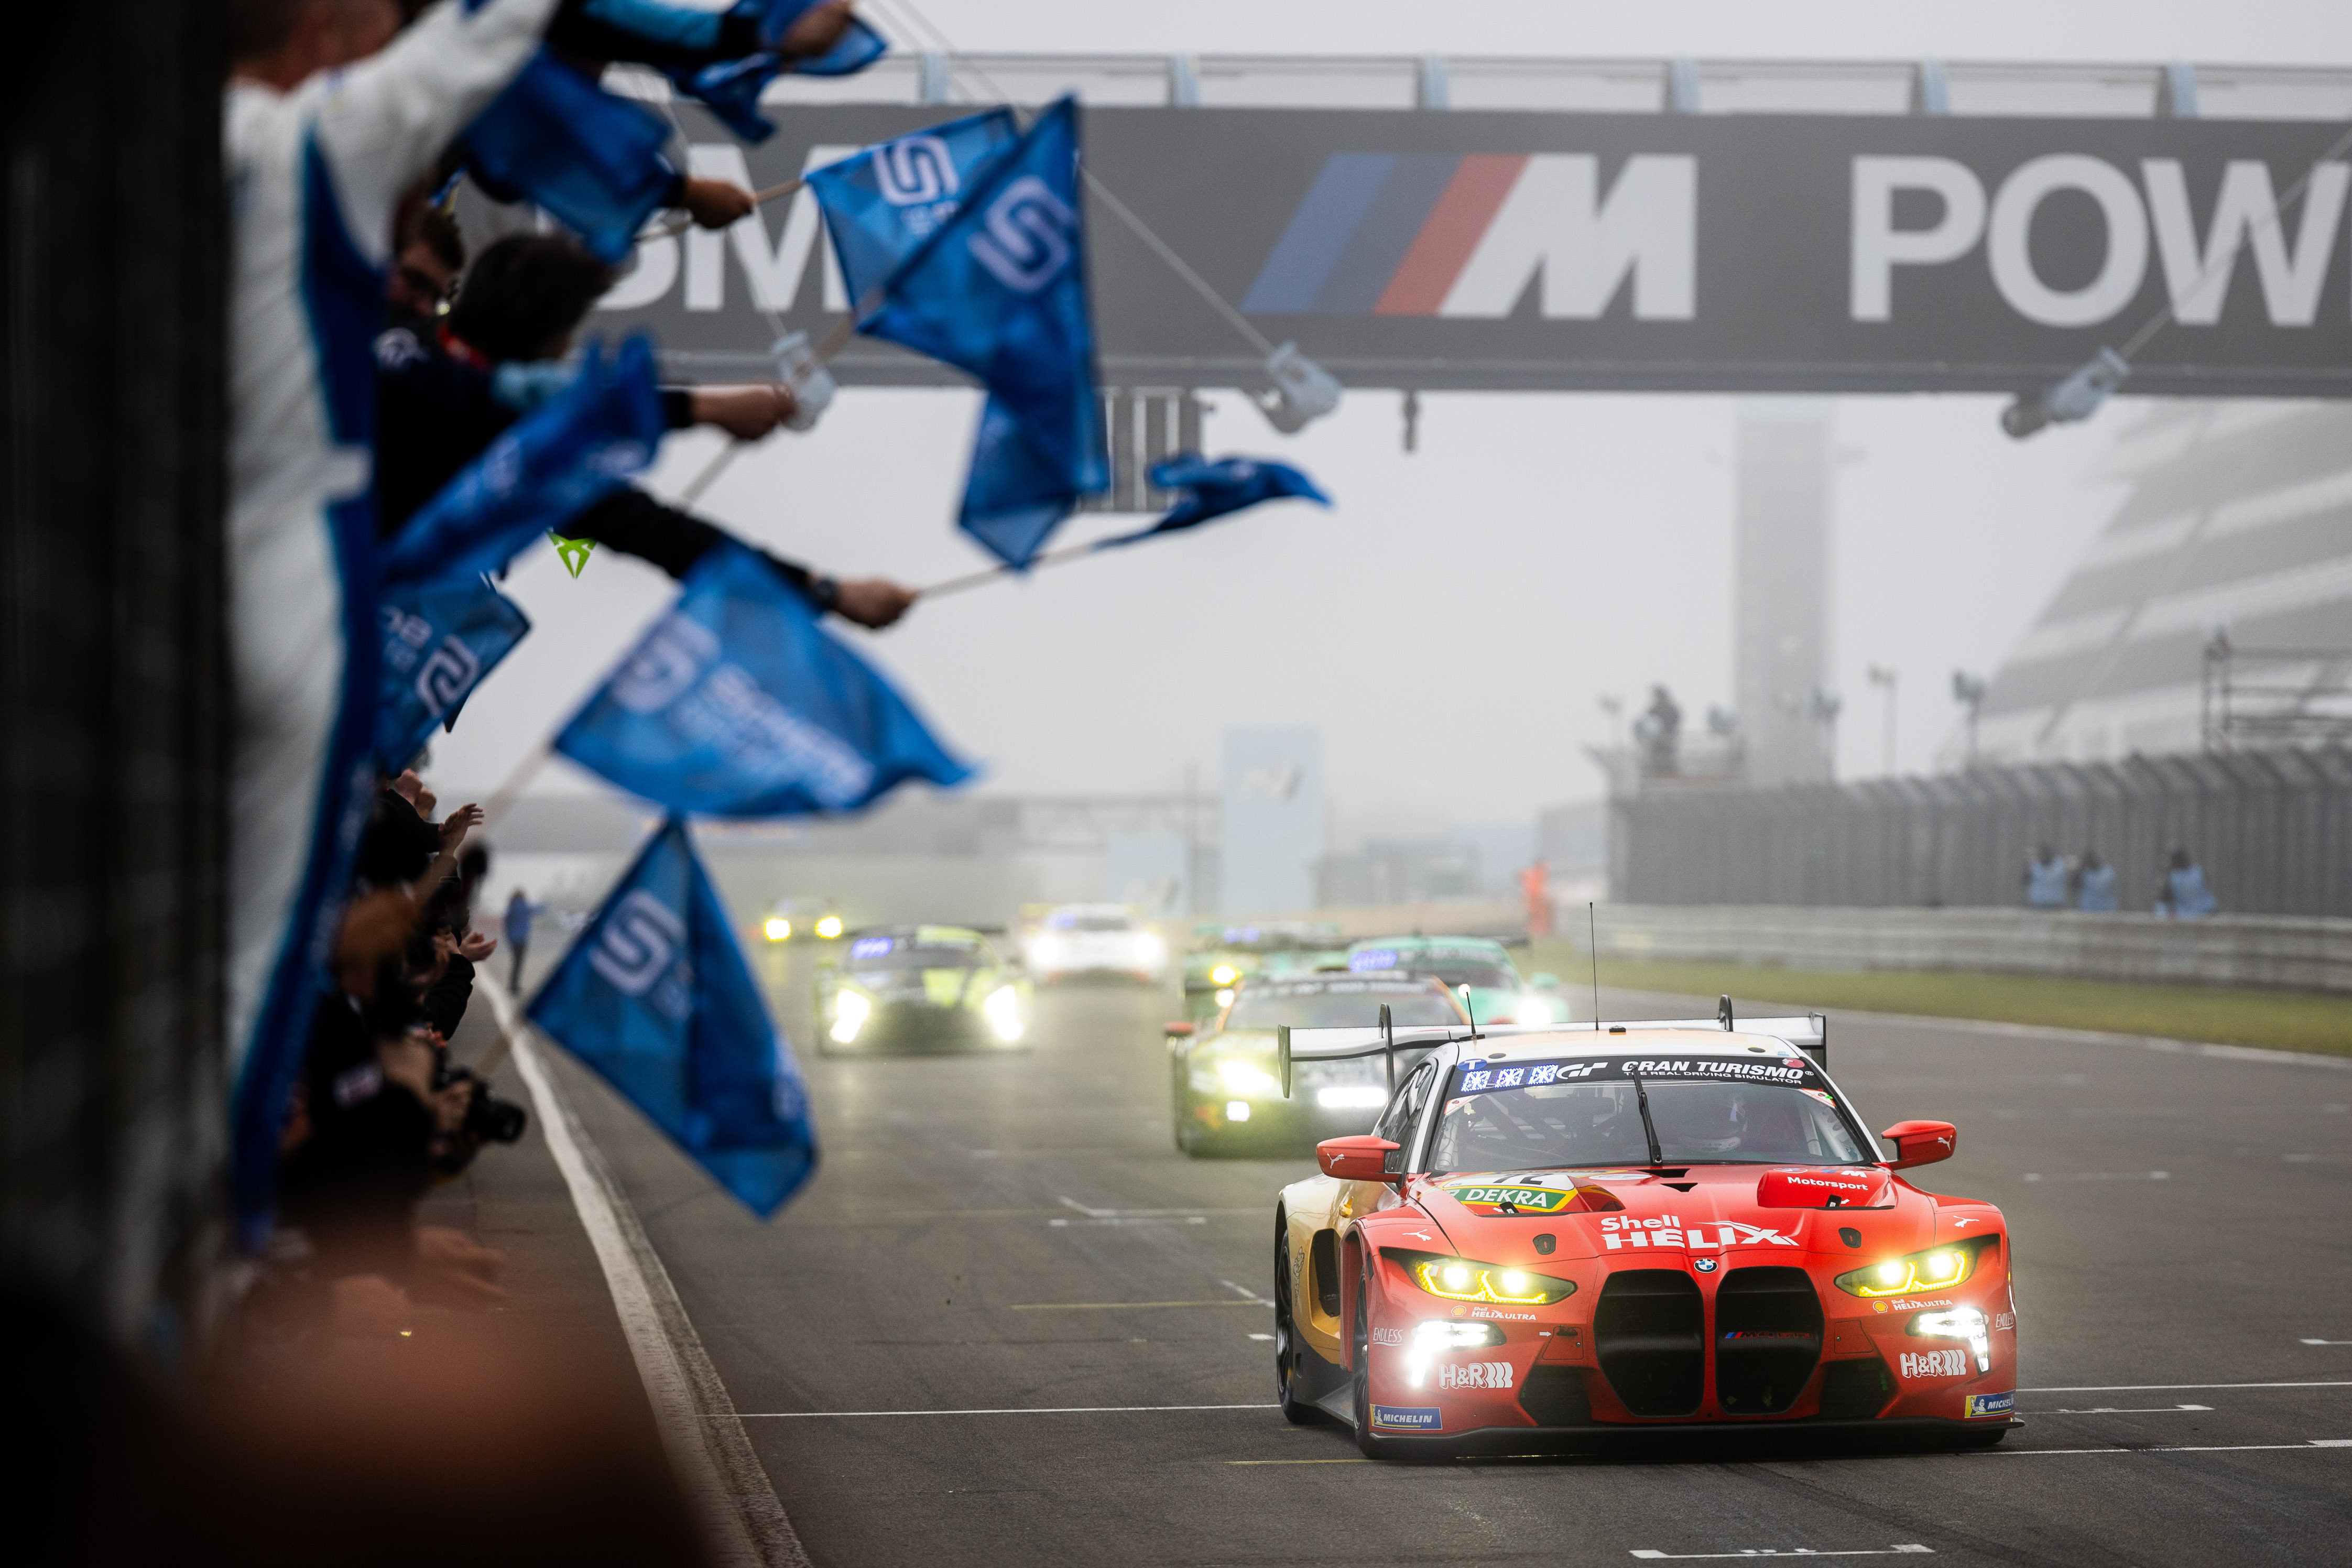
point(1454, 621)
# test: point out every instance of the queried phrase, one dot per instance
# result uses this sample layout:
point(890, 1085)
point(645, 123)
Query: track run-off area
point(1007, 1321)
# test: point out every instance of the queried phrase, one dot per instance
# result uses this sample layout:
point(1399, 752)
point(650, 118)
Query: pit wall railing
point(2272, 830)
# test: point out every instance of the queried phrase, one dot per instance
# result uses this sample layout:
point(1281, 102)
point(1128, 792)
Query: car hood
point(1702, 1210)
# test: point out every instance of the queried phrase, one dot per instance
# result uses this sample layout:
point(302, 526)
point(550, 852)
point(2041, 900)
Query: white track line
point(2169, 1387)
point(1050, 1410)
point(704, 1436)
point(2311, 1445)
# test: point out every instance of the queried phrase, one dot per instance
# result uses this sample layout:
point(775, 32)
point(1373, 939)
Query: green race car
point(1475, 968)
point(919, 988)
point(1222, 1074)
point(1223, 956)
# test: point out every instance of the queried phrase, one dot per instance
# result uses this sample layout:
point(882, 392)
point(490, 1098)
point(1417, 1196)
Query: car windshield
point(1705, 1110)
point(1089, 922)
point(906, 953)
point(1482, 971)
point(1337, 1004)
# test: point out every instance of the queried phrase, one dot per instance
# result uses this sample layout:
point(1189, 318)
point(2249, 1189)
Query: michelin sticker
point(1977, 1405)
point(1407, 1418)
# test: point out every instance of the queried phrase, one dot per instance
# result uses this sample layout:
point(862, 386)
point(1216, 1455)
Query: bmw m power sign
point(1489, 249)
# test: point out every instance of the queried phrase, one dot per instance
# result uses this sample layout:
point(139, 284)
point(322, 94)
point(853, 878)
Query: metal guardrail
point(2305, 955)
point(2271, 828)
point(2175, 91)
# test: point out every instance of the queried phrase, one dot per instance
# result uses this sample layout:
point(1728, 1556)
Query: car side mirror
point(1362, 1158)
point(1173, 1029)
point(1920, 1143)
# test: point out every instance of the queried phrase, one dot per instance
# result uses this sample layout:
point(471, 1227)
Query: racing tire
point(1289, 1356)
point(1360, 1380)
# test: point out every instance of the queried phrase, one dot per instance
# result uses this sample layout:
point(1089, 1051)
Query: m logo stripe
point(1388, 228)
point(1455, 227)
point(1319, 230)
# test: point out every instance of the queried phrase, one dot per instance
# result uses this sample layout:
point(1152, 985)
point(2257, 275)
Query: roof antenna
point(1592, 947)
point(1388, 1039)
point(1723, 1012)
point(1470, 1005)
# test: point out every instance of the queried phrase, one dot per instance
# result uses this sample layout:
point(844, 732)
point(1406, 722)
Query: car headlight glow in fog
point(1004, 1010)
point(829, 927)
point(1148, 948)
point(1225, 998)
point(1351, 1096)
point(1245, 1078)
point(1238, 1110)
point(1436, 1335)
point(1460, 1279)
point(850, 1011)
point(1959, 1323)
point(1938, 1268)
point(1224, 974)
point(1534, 1010)
point(778, 928)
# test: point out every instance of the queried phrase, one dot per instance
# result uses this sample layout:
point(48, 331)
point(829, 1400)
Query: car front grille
point(1555, 1396)
point(1649, 1335)
point(1767, 1338)
point(1856, 1390)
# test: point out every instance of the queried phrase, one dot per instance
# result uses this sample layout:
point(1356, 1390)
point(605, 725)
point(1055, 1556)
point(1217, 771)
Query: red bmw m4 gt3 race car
point(1659, 1225)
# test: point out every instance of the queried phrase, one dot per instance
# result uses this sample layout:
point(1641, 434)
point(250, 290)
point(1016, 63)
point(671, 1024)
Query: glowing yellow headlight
point(778, 928)
point(1224, 974)
point(1938, 1268)
point(829, 927)
point(1225, 998)
point(1460, 1279)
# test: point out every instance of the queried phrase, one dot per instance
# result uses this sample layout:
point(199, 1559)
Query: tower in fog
point(1780, 554)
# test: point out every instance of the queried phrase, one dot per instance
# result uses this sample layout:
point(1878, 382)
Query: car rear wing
point(1808, 1032)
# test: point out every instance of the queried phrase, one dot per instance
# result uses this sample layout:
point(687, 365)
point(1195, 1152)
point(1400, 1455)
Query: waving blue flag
point(592, 158)
point(1000, 289)
point(656, 997)
point(737, 703)
point(731, 89)
point(439, 640)
point(882, 202)
point(1219, 490)
point(538, 474)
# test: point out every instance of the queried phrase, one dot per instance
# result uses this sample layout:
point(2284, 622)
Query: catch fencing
point(2271, 828)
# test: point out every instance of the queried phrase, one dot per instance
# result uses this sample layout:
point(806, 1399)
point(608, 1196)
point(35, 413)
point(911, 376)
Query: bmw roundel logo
point(1703, 1265)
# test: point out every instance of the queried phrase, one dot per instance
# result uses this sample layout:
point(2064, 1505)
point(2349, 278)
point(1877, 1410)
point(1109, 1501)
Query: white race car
point(1095, 941)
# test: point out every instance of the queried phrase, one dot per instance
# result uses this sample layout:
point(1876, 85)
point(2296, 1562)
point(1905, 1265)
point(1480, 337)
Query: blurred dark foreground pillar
point(113, 675)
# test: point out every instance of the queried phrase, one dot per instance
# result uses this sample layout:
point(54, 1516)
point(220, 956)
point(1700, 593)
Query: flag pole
point(835, 342)
point(681, 223)
point(989, 575)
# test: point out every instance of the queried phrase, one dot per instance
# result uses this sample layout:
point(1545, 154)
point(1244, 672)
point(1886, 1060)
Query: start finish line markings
point(1914, 1549)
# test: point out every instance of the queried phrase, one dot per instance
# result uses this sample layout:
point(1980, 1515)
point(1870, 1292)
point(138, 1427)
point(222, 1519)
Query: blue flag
point(1000, 289)
point(1218, 489)
point(656, 997)
point(592, 160)
point(731, 89)
point(737, 703)
point(882, 202)
point(440, 639)
point(540, 473)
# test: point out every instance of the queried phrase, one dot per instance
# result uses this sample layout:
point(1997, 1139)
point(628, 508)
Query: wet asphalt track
point(1018, 1234)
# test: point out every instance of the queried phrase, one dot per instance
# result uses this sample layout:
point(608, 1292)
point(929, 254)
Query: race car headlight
point(1225, 998)
point(1224, 974)
point(1938, 1268)
point(1460, 1280)
point(829, 927)
point(1246, 1078)
point(1149, 949)
point(1534, 1010)
point(1434, 1336)
point(778, 928)
point(1004, 1010)
point(850, 1011)
point(1959, 1323)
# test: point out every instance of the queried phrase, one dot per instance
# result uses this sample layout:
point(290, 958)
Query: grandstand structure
point(2213, 613)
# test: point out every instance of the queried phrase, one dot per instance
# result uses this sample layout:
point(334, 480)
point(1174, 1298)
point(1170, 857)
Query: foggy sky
point(1451, 622)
